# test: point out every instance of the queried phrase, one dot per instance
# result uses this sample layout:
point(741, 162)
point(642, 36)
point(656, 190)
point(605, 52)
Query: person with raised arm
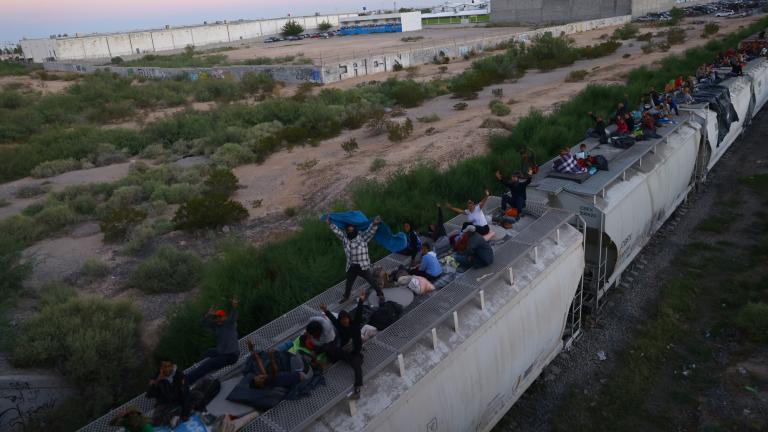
point(475, 215)
point(358, 259)
point(227, 350)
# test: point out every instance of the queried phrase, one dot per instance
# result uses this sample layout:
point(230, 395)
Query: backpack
point(204, 392)
point(385, 315)
point(623, 142)
point(600, 162)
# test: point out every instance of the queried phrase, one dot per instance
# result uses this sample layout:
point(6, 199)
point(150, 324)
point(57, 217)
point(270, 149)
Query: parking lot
point(720, 9)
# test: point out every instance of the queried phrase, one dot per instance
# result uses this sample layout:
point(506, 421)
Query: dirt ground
point(328, 50)
point(628, 307)
point(37, 84)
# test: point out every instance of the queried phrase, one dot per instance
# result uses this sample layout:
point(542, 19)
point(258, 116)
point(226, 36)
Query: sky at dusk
point(40, 18)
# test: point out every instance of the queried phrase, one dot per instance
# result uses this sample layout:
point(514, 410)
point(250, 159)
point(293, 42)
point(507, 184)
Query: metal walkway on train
point(382, 350)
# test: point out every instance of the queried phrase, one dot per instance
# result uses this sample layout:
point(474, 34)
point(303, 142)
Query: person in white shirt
point(475, 215)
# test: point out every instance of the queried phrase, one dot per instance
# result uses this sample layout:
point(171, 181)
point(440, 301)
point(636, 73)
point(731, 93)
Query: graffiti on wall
point(20, 403)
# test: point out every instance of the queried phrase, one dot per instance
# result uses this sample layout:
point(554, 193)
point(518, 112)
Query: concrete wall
point(376, 63)
point(556, 11)
point(24, 397)
point(289, 74)
point(105, 46)
point(411, 21)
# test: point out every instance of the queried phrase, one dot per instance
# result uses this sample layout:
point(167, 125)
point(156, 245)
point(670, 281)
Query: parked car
point(726, 13)
point(272, 39)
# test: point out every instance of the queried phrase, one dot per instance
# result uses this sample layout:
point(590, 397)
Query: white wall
point(163, 40)
point(244, 30)
point(142, 43)
point(211, 34)
point(411, 21)
point(120, 45)
point(95, 47)
point(70, 49)
point(38, 49)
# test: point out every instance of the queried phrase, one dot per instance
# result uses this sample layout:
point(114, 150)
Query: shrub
point(290, 212)
point(33, 208)
point(168, 270)
point(55, 167)
point(95, 343)
point(499, 108)
point(257, 82)
point(627, 31)
point(207, 212)
point(20, 229)
point(307, 165)
point(548, 52)
point(675, 36)
point(221, 182)
point(116, 60)
point(599, 50)
point(145, 231)
point(93, 269)
point(54, 218)
point(324, 26)
point(576, 75)
point(752, 320)
point(397, 67)
point(231, 155)
point(377, 124)
point(498, 93)
point(292, 28)
point(31, 191)
point(378, 164)
point(350, 146)
point(676, 15)
point(119, 222)
point(443, 69)
point(176, 193)
point(264, 139)
point(412, 38)
point(84, 204)
point(711, 29)
point(429, 119)
point(648, 48)
point(154, 151)
point(397, 131)
point(4, 203)
point(461, 106)
point(645, 37)
point(12, 270)
point(107, 154)
point(125, 196)
point(626, 55)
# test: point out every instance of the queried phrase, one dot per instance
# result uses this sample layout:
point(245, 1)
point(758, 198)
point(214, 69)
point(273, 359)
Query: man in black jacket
point(348, 329)
point(599, 130)
point(171, 392)
point(517, 185)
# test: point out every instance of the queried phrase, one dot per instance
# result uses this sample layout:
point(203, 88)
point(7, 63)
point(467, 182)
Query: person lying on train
point(567, 164)
point(478, 254)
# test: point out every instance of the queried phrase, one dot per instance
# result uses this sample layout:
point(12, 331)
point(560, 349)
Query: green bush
point(54, 168)
point(9, 68)
point(378, 164)
point(676, 15)
point(627, 31)
point(94, 269)
point(125, 196)
point(324, 26)
point(54, 218)
point(20, 229)
point(548, 52)
point(599, 50)
point(752, 320)
point(168, 270)
point(350, 146)
point(119, 222)
point(31, 191)
point(12, 270)
point(84, 204)
point(95, 343)
point(207, 212)
point(232, 155)
point(140, 235)
point(710, 29)
point(499, 108)
point(221, 182)
point(154, 151)
point(645, 37)
point(292, 28)
point(254, 83)
point(676, 36)
point(429, 118)
point(576, 75)
point(398, 132)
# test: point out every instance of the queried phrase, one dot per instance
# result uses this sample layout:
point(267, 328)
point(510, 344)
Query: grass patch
point(94, 269)
point(499, 108)
point(432, 118)
point(31, 191)
point(626, 32)
point(412, 38)
point(377, 164)
point(169, 270)
point(576, 75)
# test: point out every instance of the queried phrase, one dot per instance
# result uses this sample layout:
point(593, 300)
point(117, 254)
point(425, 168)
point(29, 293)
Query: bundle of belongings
point(568, 167)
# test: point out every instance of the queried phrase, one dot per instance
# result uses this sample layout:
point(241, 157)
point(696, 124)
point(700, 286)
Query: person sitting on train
point(671, 106)
point(567, 164)
point(516, 197)
point(598, 131)
point(736, 69)
point(621, 127)
point(429, 267)
point(170, 389)
point(475, 215)
point(227, 350)
point(630, 121)
point(478, 253)
point(347, 328)
point(686, 97)
point(132, 420)
point(414, 242)
point(621, 107)
point(654, 96)
point(648, 125)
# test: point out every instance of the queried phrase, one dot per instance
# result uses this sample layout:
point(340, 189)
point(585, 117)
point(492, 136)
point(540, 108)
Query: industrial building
point(562, 11)
point(476, 11)
point(107, 45)
point(381, 23)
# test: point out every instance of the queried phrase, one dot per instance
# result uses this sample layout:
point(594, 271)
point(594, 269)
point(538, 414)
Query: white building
point(107, 45)
point(410, 21)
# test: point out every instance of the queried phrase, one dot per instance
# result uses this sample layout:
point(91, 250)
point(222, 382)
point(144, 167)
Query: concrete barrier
point(285, 73)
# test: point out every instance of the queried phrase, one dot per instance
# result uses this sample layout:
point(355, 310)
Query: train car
point(624, 205)
point(457, 359)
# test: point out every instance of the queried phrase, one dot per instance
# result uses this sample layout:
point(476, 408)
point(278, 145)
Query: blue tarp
point(384, 236)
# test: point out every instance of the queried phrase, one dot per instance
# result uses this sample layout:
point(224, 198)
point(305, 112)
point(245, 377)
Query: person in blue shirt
point(429, 267)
